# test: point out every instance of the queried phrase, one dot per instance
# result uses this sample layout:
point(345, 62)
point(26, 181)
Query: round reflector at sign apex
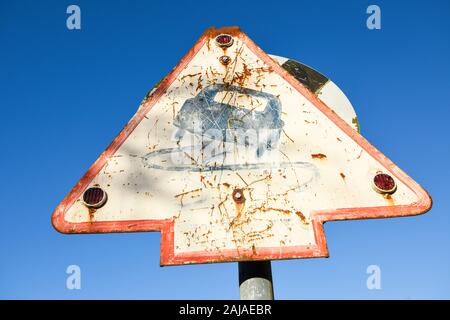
point(94, 197)
point(224, 40)
point(384, 183)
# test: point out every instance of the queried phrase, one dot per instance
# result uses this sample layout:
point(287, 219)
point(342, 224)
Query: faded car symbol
point(202, 114)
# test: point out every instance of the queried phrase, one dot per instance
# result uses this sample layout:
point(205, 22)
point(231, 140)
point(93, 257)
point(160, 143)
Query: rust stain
point(261, 70)
point(92, 214)
point(199, 83)
point(226, 184)
point(360, 153)
point(202, 180)
point(241, 77)
point(213, 73)
point(260, 234)
point(282, 174)
point(206, 182)
point(266, 178)
point(214, 32)
point(222, 204)
point(318, 156)
point(285, 194)
point(265, 209)
point(302, 217)
point(190, 75)
point(194, 162)
point(342, 176)
point(187, 192)
point(239, 208)
point(389, 200)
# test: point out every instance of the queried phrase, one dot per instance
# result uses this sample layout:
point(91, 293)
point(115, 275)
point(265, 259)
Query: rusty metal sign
point(236, 156)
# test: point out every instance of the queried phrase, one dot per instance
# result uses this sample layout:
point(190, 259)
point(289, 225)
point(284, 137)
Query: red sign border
point(166, 227)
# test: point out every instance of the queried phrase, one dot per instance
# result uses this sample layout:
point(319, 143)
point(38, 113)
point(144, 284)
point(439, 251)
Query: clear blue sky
point(64, 95)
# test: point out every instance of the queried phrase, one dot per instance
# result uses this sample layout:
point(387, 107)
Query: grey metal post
point(255, 280)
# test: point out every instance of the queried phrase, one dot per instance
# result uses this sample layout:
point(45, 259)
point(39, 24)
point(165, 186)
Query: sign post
point(255, 280)
point(239, 156)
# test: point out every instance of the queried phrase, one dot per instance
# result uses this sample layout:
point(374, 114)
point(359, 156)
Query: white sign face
point(231, 158)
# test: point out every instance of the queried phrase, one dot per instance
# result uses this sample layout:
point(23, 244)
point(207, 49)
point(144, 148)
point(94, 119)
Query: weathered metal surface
point(234, 160)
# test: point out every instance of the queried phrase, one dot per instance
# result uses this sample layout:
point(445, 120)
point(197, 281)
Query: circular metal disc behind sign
point(322, 87)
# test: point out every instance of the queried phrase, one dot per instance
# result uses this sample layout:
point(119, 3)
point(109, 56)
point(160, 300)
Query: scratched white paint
point(289, 183)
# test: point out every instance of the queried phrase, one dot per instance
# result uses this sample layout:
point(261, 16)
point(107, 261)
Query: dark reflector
point(384, 183)
point(94, 197)
point(224, 40)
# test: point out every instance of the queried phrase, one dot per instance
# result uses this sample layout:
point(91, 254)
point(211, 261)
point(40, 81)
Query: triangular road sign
point(231, 158)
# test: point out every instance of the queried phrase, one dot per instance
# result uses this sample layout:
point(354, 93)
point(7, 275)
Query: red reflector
point(94, 197)
point(224, 40)
point(384, 183)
